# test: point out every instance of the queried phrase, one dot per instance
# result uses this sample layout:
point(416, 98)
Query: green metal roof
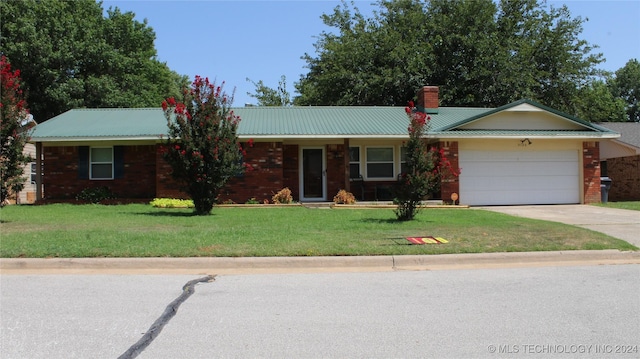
point(134, 123)
point(288, 122)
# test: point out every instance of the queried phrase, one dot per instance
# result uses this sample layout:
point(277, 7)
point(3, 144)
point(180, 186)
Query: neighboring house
point(28, 193)
point(620, 161)
point(521, 153)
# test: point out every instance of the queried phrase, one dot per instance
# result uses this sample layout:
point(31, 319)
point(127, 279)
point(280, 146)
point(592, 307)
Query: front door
point(312, 186)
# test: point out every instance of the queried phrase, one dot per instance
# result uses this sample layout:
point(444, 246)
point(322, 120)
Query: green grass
point(635, 206)
point(63, 230)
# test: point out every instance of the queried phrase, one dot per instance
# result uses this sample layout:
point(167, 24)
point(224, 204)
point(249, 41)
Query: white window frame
point(393, 163)
point(358, 162)
point(91, 163)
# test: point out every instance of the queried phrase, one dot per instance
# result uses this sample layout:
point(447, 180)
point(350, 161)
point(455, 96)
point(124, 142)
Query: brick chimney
point(428, 99)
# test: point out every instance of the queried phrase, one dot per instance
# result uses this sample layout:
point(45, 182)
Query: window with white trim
point(380, 162)
point(354, 162)
point(101, 163)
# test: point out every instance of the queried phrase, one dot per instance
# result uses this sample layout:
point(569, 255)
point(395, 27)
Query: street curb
point(253, 265)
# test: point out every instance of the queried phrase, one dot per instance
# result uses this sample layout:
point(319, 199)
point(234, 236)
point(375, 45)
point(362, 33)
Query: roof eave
point(512, 136)
point(313, 137)
point(95, 138)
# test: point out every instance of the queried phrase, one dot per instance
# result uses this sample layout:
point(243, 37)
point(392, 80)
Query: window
point(33, 173)
point(354, 162)
point(101, 163)
point(380, 162)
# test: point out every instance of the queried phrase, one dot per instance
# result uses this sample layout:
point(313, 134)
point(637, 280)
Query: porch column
point(38, 171)
point(591, 171)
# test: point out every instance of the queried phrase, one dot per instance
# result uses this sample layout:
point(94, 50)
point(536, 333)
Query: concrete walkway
point(619, 223)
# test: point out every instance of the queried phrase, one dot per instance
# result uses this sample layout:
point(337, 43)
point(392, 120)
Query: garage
point(519, 177)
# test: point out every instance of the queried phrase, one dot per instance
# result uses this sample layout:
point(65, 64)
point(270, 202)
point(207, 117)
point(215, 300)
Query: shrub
point(252, 200)
point(172, 203)
point(95, 194)
point(344, 197)
point(283, 196)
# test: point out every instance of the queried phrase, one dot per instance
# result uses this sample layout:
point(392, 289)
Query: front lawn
point(635, 206)
point(135, 230)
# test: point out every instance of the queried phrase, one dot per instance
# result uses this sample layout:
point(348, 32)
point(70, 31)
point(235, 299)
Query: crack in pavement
point(169, 313)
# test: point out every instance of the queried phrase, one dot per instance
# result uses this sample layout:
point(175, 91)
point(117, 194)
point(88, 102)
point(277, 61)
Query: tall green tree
point(71, 56)
point(268, 96)
point(13, 132)
point(480, 52)
point(596, 103)
point(202, 147)
point(626, 86)
point(376, 61)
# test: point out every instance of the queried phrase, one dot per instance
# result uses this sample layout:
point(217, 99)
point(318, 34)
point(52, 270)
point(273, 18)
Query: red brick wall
point(335, 170)
point(591, 171)
point(263, 180)
point(166, 186)
point(291, 169)
point(451, 185)
point(625, 177)
point(60, 175)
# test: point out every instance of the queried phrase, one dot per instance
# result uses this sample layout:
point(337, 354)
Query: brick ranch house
point(520, 153)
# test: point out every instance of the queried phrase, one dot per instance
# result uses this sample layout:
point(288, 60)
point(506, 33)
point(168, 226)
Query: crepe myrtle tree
point(13, 132)
point(424, 167)
point(202, 146)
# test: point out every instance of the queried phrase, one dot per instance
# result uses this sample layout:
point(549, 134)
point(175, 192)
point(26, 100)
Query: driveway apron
point(619, 223)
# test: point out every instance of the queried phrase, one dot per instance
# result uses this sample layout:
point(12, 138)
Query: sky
point(231, 41)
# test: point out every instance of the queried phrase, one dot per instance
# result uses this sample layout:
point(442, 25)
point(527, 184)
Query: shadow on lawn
point(169, 214)
point(386, 220)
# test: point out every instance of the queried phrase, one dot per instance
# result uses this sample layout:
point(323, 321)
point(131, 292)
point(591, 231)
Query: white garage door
point(507, 178)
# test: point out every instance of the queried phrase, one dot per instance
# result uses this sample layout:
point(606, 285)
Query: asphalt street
point(563, 312)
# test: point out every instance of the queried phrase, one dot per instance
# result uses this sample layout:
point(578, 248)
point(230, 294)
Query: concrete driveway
point(619, 223)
